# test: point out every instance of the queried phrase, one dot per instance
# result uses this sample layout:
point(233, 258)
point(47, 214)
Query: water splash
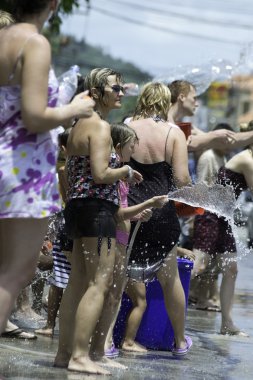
point(217, 199)
point(201, 76)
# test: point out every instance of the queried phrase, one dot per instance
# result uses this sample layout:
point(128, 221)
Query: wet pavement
point(212, 356)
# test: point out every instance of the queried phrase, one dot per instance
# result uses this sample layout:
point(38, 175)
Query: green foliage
point(66, 7)
point(67, 52)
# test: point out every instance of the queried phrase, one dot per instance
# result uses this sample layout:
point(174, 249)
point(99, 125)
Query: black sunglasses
point(118, 88)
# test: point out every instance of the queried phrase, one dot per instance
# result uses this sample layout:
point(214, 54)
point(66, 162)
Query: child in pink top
point(124, 141)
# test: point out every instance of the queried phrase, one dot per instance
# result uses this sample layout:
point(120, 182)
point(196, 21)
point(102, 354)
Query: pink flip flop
point(182, 351)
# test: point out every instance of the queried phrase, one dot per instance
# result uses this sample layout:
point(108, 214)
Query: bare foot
point(133, 347)
point(46, 331)
point(104, 361)
point(61, 360)
point(233, 330)
point(85, 364)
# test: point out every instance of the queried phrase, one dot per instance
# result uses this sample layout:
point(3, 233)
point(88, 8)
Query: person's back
point(152, 137)
point(15, 40)
point(161, 158)
point(160, 142)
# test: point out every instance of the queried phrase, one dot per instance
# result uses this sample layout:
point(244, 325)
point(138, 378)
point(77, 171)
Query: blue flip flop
point(182, 351)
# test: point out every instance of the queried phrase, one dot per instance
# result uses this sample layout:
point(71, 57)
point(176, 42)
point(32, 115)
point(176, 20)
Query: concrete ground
point(212, 356)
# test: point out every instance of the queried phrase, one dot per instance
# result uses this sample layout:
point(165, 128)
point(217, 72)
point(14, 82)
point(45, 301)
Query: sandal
point(18, 334)
point(112, 352)
point(182, 351)
point(214, 308)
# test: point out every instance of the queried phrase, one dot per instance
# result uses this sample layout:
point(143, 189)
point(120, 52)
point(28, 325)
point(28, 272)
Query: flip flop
point(18, 334)
point(182, 351)
point(215, 308)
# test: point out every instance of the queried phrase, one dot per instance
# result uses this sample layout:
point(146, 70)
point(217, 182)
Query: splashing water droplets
point(217, 199)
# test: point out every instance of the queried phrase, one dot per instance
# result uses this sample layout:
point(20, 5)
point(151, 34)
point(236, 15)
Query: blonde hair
point(154, 100)
point(6, 19)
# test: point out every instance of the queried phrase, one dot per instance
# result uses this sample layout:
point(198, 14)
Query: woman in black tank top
point(161, 158)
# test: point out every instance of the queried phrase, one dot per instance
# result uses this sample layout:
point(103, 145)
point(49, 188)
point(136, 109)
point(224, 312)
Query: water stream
point(217, 199)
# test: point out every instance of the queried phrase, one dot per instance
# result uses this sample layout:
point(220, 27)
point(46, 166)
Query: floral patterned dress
point(28, 182)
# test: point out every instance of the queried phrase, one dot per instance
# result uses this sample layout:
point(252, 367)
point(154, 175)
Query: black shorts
point(90, 217)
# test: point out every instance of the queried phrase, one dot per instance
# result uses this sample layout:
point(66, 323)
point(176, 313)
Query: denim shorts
point(90, 217)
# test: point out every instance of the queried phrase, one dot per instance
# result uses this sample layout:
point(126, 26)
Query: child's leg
point(137, 293)
point(54, 300)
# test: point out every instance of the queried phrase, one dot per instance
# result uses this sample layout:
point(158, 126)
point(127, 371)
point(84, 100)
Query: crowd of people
point(110, 182)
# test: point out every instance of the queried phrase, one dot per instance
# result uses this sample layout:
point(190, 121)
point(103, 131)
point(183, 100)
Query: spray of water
point(217, 199)
point(201, 76)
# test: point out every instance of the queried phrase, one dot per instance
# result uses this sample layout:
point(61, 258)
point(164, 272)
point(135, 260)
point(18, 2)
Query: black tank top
point(229, 177)
point(158, 236)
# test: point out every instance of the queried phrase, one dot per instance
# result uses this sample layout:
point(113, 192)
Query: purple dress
point(28, 182)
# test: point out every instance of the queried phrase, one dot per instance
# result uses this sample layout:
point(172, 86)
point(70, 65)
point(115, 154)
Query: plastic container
point(67, 85)
point(155, 331)
point(186, 128)
point(131, 89)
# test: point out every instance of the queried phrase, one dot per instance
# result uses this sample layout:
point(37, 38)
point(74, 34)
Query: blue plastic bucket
point(155, 331)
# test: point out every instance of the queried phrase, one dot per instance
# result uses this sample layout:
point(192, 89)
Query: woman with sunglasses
point(93, 171)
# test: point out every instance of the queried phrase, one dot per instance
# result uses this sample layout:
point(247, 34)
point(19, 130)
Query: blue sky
point(162, 35)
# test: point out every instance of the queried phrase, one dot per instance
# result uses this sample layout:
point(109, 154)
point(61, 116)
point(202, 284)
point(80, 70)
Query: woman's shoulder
point(92, 126)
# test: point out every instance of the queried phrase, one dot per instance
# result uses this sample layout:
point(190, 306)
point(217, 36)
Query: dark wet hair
point(63, 137)
point(222, 126)
point(122, 134)
point(178, 87)
point(22, 8)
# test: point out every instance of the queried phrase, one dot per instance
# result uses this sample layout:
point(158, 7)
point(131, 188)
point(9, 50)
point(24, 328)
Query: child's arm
point(63, 182)
point(130, 212)
point(143, 216)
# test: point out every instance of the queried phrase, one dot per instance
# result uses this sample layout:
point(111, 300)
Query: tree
point(66, 7)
